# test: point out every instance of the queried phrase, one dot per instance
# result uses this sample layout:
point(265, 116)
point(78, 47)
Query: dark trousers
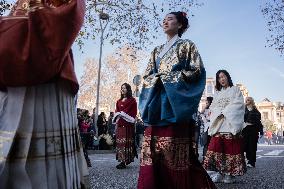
point(250, 134)
point(196, 138)
point(84, 139)
point(206, 143)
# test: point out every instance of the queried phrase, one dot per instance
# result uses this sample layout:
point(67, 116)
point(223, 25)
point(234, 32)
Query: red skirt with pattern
point(125, 143)
point(225, 155)
point(169, 161)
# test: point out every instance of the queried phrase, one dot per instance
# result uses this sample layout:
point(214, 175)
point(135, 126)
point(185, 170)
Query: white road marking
point(100, 160)
point(260, 156)
point(259, 150)
point(274, 153)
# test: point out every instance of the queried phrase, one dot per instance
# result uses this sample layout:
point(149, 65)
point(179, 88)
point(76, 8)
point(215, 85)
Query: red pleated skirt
point(125, 144)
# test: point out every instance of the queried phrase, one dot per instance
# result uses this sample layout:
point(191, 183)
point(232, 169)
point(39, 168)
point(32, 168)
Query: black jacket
point(254, 117)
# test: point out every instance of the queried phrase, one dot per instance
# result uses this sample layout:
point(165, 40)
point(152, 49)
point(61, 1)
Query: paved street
point(268, 174)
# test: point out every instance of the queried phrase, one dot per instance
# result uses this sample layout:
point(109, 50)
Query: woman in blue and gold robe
point(173, 85)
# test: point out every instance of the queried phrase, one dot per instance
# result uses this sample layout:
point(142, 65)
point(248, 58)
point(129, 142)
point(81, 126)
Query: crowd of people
point(272, 138)
point(106, 129)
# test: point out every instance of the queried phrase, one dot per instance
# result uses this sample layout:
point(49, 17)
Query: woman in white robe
point(225, 151)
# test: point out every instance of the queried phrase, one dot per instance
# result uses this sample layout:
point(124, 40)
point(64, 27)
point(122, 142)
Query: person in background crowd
point(268, 135)
point(251, 131)
point(93, 121)
point(197, 127)
point(102, 124)
point(111, 125)
point(126, 111)
point(85, 125)
point(205, 114)
point(139, 131)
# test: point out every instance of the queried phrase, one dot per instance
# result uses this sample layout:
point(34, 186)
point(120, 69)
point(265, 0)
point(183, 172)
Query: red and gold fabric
point(125, 146)
point(125, 131)
point(168, 160)
point(226, 155)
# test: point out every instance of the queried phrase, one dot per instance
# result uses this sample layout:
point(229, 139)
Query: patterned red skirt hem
point(125, 146)
point(168, 160)
point(225, 155)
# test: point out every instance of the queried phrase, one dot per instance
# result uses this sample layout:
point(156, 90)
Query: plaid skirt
point(39, 141)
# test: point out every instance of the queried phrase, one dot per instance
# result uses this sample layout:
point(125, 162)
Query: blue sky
point(232, 35)
point(229, 35)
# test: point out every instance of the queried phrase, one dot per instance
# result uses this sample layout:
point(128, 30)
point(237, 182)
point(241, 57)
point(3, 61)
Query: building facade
point(273, 111)
point(208, 91)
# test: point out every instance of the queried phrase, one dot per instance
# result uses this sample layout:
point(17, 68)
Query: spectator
point(139, 126)
point(102, 124)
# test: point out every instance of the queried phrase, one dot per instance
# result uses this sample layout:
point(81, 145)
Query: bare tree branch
point(4, 6)
point(119, 67)
point(273, 11)
point(132, 22)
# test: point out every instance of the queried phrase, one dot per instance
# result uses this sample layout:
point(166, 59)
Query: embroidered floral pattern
point(125, 147)
point(222, 103)
point(225, 163)
point(181, 62)
point(172, 152)
point(124, 151)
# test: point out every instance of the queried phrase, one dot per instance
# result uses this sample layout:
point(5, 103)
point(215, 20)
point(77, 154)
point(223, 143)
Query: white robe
point(227, 112)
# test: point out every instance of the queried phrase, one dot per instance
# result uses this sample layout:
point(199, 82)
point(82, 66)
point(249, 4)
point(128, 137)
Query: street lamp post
point(103, 17)
point(137, 81)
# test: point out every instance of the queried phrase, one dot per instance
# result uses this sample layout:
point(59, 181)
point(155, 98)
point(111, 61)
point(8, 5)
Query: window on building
point(209, 89)
point(265, 115)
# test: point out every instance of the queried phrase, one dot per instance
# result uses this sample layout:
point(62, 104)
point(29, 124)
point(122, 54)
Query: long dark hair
point(218, 86)
point(182, 19)
point(209, 100)
point(129, 91)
